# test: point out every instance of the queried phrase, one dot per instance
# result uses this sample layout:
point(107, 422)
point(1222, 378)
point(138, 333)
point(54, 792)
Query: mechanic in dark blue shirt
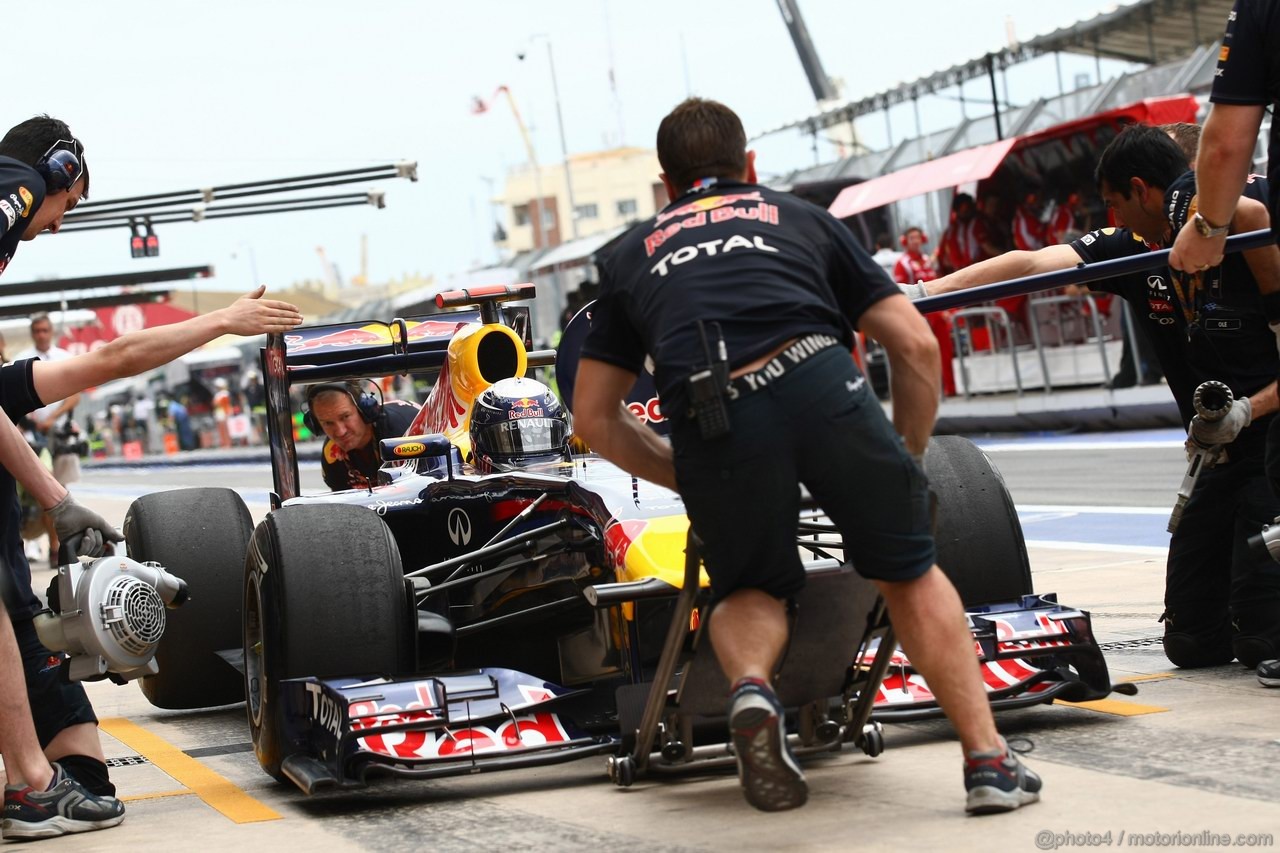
point(42, 170)
point(353, 421)
point(777, 284)
point(1221, 601)
point(1246, 83)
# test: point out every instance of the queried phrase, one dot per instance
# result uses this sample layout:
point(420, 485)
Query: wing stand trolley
point(839, 617)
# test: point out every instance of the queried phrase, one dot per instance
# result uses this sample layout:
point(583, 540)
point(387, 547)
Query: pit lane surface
point(1192, 752)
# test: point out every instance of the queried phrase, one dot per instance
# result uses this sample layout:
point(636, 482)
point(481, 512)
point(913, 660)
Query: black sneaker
point(998, 782)
point(771, 779)
point(1269, 673)
point(63, 809)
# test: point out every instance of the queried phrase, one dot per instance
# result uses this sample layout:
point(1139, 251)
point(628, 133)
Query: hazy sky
point(178, 94)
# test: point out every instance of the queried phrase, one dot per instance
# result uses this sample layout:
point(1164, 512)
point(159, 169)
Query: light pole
point(564, 147)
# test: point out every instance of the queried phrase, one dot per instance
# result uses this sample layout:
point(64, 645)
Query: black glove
point(71, 519)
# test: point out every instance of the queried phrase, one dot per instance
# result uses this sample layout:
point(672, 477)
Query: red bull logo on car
point(370, 334)
point(516, 732)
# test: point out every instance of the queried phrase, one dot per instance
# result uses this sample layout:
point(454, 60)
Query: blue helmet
point(517, 422)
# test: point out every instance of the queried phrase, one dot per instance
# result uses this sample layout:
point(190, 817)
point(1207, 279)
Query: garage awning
point(981, 162)
point(973, 164)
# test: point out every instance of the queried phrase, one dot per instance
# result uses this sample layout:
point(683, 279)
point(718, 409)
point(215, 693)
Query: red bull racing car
point(453, 618)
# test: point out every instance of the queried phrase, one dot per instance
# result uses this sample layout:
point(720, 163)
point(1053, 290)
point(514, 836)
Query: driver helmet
point(517, 422)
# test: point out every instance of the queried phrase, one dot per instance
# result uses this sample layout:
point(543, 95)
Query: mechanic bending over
point(43, 172)
point(1221, 601)
point(777, 283)
point(353, 421)
point(1247, 81)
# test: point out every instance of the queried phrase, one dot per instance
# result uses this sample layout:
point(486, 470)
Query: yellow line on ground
point(219, 792)
point(158, 795)
point(1118, 707)
point(1155, 676)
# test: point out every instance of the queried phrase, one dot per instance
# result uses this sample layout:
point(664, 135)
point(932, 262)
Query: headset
point(369, 406)
point(924, 238)
point(60, 166)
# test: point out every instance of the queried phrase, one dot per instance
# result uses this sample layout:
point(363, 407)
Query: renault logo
point(459, 527)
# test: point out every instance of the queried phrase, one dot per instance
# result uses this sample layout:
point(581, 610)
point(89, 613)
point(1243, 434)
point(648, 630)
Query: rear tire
point(324, 596)
point(979, 537)
point(200, 535)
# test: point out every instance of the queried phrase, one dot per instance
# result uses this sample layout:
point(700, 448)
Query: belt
point(798, 352)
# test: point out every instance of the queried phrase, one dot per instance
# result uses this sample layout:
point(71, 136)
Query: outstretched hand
point(253, 315)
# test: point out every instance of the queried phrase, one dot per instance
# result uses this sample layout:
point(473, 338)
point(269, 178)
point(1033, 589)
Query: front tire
point(200, 535)
point(324, 596)
point(978, 535)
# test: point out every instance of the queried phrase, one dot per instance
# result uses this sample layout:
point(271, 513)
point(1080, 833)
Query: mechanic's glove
point(1224, 431)
point(71, 519)
point(913, 291)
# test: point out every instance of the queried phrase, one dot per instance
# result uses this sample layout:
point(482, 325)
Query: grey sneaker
point(771, 778)
point(1269, 673)
point(63, 809)
point(998, 782)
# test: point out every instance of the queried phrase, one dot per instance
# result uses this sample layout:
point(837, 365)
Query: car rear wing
point(360, 349)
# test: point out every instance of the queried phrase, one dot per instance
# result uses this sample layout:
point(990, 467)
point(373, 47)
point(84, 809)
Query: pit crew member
point(1246, 82)
point(516, 423)
point(353, 421)
point(1221, 602)
point(778, 283)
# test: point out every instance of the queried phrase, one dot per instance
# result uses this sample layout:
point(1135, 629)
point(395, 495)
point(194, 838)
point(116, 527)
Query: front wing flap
point(444, 725)
point(1030, 651)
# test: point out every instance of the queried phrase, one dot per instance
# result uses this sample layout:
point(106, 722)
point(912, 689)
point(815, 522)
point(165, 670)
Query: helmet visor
point(523, 437)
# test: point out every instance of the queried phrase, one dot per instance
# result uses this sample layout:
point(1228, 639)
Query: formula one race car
point(451, 619)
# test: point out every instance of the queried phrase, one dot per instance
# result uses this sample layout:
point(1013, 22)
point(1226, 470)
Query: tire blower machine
point(108, 614)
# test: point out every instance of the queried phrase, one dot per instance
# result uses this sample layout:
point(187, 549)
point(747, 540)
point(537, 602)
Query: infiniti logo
point(459, 527)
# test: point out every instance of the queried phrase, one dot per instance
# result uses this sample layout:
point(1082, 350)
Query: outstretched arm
point(1005, 267)
point(135, 353)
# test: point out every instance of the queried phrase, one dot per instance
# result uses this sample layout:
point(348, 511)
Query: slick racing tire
point(324, 596)
point(979, 537)
point(200, 535)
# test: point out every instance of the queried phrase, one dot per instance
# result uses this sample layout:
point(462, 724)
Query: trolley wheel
point(872, 740)
point(622, 770)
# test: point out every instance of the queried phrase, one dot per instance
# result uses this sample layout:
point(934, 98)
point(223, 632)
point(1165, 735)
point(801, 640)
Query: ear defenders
point(60, 167)
point(924, 238)
point(369, 406)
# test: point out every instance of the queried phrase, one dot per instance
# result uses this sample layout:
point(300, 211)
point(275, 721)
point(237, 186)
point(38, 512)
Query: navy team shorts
point(820, 425)
point(56, 704)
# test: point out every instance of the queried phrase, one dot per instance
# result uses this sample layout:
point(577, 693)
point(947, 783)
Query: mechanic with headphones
point(353, 421)
point(58, 779)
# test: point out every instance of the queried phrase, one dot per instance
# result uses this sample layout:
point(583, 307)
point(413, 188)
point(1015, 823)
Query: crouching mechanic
point(780, 282)
point(353, 422)
point(1221, 600)
point(64, 719)
point(516, 423)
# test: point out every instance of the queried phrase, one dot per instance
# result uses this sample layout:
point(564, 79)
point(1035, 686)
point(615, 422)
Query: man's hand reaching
point(253, 315)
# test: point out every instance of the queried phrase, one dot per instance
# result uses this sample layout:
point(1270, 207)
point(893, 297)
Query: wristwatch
point(1207, 229)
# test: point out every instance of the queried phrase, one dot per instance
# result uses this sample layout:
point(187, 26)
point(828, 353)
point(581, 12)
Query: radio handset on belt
point(707, 388)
